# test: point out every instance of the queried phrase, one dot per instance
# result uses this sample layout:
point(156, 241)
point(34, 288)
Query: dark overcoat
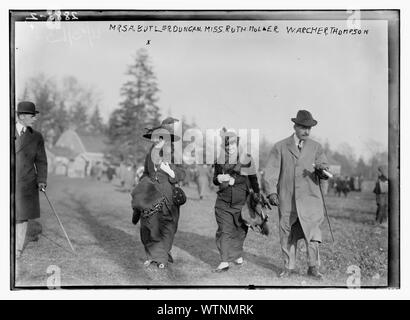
point(30, 170)
point(232, 229)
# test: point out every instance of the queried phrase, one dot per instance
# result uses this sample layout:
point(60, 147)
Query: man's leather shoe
point(314, 273)
point(33, 238)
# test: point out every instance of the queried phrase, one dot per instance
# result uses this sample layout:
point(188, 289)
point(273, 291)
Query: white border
point(196, 294)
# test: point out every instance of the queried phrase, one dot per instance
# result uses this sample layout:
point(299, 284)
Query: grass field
point(97, 217)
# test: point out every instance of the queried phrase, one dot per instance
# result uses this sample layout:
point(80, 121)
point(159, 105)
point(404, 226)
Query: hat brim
point(308, 123)
point(26, 112)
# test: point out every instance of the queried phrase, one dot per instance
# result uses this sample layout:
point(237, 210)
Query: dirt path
point(97, 217)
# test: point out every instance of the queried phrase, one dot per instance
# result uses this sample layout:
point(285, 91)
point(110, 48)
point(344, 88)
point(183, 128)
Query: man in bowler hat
point(292, 183)
point(31, 170)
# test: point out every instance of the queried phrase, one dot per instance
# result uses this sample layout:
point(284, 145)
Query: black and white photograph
point(204, 149)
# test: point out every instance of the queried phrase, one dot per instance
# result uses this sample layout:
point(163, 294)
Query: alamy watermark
point(54, 278)
point(195, 146)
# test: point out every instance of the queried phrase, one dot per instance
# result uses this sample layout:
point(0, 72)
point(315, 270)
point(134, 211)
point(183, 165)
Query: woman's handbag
point(178, 196)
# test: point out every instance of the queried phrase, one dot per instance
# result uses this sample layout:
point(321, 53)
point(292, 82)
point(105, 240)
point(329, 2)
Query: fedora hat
point(304, 118)
point(167, 127)
point(26, 107)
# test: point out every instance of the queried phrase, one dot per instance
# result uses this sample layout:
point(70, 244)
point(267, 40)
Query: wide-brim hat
point(165, 129)
point(26, 107)
point(304, 118)
point(228, 135)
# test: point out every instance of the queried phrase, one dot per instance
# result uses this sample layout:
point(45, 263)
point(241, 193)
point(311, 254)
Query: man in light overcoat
point(292, 183)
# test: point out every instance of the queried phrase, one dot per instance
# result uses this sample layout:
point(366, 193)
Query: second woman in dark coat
point(234, 179)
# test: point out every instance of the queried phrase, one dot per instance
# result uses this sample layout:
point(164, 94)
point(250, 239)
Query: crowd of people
point(345, 184)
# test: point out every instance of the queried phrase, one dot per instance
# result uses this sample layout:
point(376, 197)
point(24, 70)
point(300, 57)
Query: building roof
point(63, 152)
point(93, 142)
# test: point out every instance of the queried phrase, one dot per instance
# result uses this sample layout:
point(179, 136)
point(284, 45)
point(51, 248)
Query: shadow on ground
point(204, 249)
point(120, 247)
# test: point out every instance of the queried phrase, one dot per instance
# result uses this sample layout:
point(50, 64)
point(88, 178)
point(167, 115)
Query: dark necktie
point(300, 144)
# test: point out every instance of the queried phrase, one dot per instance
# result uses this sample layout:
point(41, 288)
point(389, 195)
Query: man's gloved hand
point(42, 186)
point(231, 181)
point(319, 171)
point(273, 199)
point(320, 167)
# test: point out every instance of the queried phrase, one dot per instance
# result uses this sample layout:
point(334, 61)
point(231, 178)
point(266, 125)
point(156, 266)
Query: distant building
point(76, 152)
point(335, 169)
point(334, 166)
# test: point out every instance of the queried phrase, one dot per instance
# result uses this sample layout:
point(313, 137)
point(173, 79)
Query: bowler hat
point(167, 126)
point(26, 107)
point(304, 118)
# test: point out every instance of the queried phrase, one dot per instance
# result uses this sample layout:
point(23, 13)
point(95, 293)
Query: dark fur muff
point(145, 199)
point(253, 215)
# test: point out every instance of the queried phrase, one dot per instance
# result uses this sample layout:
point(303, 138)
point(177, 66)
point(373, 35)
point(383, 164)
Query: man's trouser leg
point(21, 230)
point(312, 253)
point(290, 256)
point(289, 243)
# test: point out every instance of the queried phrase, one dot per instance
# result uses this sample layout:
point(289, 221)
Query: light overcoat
point(290, 174)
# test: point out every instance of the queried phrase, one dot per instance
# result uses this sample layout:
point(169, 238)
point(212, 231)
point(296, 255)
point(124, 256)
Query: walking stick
point(59, 221)
point(324, 206)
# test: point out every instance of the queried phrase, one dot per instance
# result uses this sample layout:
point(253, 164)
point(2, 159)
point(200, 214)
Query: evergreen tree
point(78, 117)
point(96, 124)
point(138, 109)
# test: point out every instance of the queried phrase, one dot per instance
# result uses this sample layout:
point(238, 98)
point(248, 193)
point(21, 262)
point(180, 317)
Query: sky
point(253, 80)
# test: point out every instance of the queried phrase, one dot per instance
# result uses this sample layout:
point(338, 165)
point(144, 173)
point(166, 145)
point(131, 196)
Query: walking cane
point(59, 221)
point(323, 199)
point(327, 216)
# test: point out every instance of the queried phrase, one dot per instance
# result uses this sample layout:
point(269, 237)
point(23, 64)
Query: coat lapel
point(22, 141)
point(292, 147)
point(17, 141)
